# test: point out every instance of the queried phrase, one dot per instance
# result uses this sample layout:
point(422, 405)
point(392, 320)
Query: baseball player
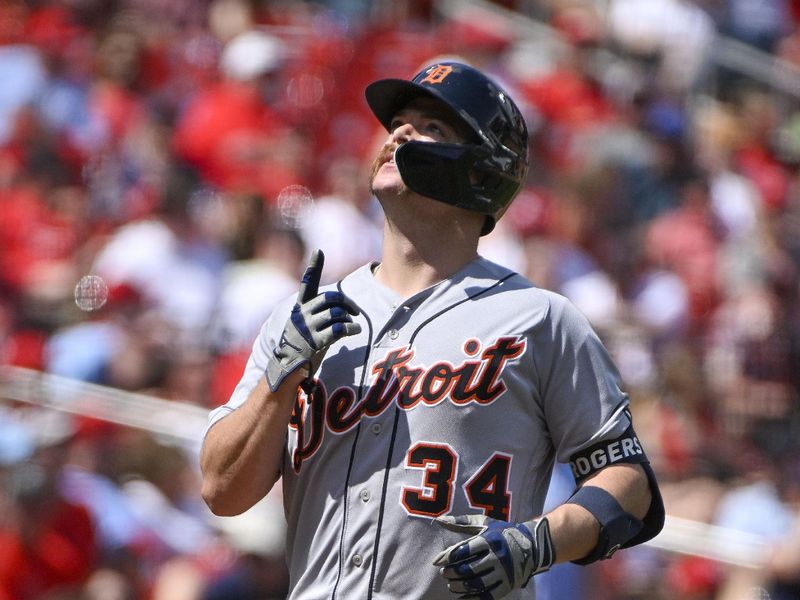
point(414, 410)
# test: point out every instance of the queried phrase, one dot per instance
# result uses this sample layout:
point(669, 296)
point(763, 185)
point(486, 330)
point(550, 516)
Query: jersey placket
point(367, 489)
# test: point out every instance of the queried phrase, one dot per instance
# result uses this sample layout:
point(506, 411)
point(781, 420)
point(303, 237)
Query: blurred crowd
point(192, 153)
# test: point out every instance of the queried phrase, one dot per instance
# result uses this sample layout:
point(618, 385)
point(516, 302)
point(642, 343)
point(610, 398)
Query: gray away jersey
point(456, 400)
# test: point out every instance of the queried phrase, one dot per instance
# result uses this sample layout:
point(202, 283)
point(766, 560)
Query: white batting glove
point(317, 321)
point(499, 557)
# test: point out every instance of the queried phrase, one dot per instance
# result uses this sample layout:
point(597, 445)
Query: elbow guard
point(619, 529)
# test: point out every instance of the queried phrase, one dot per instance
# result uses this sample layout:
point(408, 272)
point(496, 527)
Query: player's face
point(423, 120)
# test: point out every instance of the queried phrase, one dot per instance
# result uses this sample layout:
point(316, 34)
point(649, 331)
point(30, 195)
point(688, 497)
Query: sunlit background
point(166, 167)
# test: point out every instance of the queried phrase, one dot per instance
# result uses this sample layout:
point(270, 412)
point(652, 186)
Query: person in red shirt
point(230, 132)
point(47, 544)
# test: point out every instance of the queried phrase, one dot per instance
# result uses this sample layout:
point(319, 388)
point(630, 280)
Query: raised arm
point(242, 453)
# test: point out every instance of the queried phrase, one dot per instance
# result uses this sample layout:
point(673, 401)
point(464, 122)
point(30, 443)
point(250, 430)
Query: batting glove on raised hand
point(498, 558)
point(317, 321)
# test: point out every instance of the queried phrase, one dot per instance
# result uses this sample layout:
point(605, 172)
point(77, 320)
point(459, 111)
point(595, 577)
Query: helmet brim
point(386, 97)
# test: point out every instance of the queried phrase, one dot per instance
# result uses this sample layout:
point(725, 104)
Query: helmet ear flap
point(491, 177)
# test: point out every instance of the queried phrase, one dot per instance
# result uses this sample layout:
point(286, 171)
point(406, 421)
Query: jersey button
point(357, 560)
point(376, 428)
point(393, 334)
point(365, 495)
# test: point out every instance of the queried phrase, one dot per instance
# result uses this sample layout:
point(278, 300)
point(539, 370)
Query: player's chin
point(386, 180)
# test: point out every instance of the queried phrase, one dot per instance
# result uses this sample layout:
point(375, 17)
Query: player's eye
point(434, 127)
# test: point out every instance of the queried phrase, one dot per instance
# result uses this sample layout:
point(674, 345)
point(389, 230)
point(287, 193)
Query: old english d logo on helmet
point(482, 173)
point(437, 74)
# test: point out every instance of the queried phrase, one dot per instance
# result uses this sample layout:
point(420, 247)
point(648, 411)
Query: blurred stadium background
point(192, 152)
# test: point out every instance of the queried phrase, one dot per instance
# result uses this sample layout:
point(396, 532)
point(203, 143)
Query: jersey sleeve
point(256, 365)
point(579, 385)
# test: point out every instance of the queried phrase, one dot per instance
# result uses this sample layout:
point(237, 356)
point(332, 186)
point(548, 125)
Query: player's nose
point(403, 133)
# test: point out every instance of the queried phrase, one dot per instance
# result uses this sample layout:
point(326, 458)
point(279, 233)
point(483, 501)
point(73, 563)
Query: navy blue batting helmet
point(482, 174)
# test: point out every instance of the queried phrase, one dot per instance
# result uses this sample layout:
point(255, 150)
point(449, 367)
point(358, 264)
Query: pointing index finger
point(309, 285)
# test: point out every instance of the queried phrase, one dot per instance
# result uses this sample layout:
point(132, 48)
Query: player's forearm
point(575, 531)
point(241, 454)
